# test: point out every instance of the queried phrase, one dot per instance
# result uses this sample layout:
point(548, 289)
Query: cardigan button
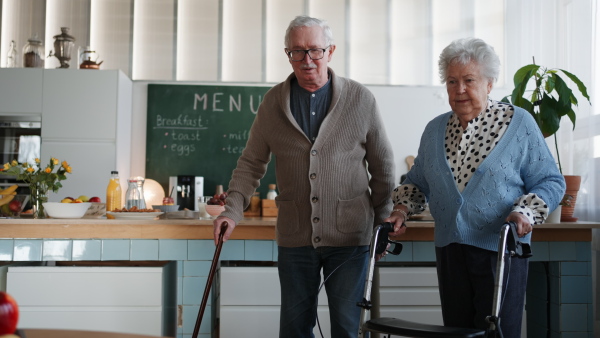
point(316, 220)
point(313, 176)
point(317, 239)
point(313, 152)
point(315, 199)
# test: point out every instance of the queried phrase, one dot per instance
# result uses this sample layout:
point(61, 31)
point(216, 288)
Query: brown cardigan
point(328, 196)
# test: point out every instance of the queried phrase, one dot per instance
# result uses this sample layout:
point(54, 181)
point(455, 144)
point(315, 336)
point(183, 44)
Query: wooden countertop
point(249, 228)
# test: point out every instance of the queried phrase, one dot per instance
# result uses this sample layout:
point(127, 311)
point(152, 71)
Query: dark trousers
point(300, 277)
point(466, 276)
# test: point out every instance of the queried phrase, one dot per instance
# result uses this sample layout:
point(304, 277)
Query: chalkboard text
point(219, 104)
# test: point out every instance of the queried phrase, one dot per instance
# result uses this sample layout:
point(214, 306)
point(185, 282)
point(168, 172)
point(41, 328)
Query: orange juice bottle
point(113, 192)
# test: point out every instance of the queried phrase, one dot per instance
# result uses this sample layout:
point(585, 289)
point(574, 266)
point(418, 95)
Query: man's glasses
point(300, 54)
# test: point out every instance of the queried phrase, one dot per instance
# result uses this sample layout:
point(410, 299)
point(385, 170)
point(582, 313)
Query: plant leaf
point(524, 73)
point(550, 84)
point(564, 96)
point(580, 84)
point(517, 94)
point(550, 121)
point(571, 115)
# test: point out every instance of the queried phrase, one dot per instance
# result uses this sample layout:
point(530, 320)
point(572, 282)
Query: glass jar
point(135, 193)
point(33, 53)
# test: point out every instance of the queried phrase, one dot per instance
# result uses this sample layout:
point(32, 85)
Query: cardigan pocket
point(353, 215)
point(288, 214)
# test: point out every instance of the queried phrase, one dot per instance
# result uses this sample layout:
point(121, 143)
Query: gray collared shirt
point(309, 109)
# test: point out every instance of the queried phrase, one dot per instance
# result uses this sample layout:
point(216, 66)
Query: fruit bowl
point(14, 207)
point(214, 210)
point(66, 210)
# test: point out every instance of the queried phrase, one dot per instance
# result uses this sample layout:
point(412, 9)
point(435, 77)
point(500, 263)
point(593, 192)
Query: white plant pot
point(554, 216)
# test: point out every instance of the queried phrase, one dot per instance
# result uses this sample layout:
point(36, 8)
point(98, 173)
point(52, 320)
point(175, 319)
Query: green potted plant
point(550, 100)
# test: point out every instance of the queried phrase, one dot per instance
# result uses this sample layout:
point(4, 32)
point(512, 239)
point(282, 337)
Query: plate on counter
point(135, 215)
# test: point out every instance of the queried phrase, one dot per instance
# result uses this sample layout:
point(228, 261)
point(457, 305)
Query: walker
point(508, 245)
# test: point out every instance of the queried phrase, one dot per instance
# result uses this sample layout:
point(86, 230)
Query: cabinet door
point(21, 91)
point(117, 299)
point(250, 299)
point(91, 163)
point(80, 104)
point(409, 293)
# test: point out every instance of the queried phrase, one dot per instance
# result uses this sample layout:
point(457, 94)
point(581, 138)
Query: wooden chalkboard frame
point(200, 130)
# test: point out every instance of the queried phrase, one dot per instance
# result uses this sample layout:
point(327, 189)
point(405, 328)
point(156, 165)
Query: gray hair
point(466, 50)
point(307, 21)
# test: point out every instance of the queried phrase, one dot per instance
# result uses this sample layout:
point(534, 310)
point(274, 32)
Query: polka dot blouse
point(465, 150)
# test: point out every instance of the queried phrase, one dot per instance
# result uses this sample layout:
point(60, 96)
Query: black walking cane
point(211, 274)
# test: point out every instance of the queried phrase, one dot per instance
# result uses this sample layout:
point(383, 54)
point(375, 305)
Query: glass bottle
point(272, 193)
point(202, 201)
point(33, 53)
point(11, 58)
point(113, 192)
point(135, 193)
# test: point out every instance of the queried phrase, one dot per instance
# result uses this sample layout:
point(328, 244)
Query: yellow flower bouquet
point(40, 179)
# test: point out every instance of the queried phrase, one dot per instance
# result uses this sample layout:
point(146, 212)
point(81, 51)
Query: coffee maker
point(186, 190)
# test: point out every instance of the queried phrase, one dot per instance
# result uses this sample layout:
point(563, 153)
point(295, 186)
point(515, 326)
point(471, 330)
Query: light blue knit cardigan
point(519, 164)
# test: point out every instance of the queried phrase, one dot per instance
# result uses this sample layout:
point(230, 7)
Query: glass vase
point(39, 195)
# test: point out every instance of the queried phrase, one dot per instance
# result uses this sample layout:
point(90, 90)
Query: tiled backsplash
point(570, 263)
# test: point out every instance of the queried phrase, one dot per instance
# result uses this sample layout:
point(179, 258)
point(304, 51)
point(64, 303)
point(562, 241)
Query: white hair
point(307, 21)
point(466, 50)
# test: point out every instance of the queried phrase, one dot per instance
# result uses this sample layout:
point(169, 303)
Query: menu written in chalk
point(200, 131)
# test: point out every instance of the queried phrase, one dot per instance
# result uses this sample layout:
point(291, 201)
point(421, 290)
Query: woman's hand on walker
point(523, 225)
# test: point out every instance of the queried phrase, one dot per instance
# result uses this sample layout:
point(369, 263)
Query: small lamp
point(153, 193)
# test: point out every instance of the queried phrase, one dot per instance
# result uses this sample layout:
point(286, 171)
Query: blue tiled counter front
point(569, 263)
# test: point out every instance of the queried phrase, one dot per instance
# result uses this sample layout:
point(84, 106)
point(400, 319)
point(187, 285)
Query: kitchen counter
point(563, 247)
point(262, 228)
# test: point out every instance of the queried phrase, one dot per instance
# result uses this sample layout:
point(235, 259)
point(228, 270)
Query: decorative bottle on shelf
point(113, 192)
point(11, 58)
point(272, 193)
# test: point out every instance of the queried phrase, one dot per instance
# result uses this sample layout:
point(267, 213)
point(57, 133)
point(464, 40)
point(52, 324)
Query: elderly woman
point(478, 166)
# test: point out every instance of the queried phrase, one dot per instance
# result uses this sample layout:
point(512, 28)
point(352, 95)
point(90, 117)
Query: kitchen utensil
point(88, 59)
point(63, 45)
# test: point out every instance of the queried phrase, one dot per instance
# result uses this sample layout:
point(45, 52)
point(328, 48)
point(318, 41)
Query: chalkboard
point(200, 131)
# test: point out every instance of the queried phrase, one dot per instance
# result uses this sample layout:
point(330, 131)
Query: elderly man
point(327, 136)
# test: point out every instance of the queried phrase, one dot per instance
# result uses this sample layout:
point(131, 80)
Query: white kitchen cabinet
point(409, 293)
point(249, 300)
point(86, 120)
point(136, 300)
point(21, 91)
